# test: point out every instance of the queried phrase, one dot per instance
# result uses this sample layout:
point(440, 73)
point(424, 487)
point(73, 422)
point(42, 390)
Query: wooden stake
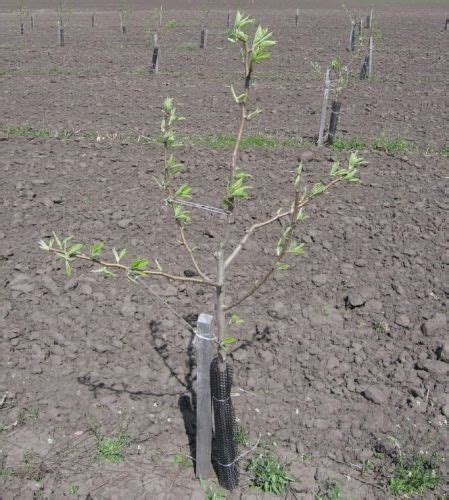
point(327, 87)
point(351, 43)
point(205, 351)
point(154, 66)
point(155, 40)
point(21, 29)
point(333, 123)
point(297, 18)
point(370, 56)
point(61, 34)
point(447, 24)
point(203, 40)
point(93, 20)
point(32, 22)
point(228, 22)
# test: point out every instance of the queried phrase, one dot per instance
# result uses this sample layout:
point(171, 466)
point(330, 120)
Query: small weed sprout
point(73, 490)
point(210, 493)
point(182, 461)
point(241, 436)
point(269, 473)
point(112, 448)
point(414, 474)
point(330, 490)
point(390, 145)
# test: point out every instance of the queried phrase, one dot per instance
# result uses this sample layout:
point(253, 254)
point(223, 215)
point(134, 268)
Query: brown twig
point(298, 204)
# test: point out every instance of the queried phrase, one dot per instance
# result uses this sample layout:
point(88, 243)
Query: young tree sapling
point(254, 50)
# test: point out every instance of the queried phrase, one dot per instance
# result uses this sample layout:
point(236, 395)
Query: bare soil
point(339, 355)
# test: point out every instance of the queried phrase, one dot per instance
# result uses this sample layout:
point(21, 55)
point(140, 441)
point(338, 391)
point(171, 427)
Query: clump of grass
point(241, 436)
point(223, 141)
point(414, 474)
point(73, 490)
point(348, 144)
point(29, 131)
point(112, 448)
point(394, 145)
point(270, 474)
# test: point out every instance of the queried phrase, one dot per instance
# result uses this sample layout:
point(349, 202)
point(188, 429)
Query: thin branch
point(190, 252)
point(298, 204)
point(259, 225)
point(249, 232)
point(116, 265)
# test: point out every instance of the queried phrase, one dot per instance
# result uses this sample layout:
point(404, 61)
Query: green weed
point(241, 436)
point(414, 474)
point(73, 490)
point(348, 144)
point(222, 141)
point(330, 490)
point(396, 145)
point(182, 461)
point(210, 493)
point(379, 326)
point(112, 449)
point(270, 474)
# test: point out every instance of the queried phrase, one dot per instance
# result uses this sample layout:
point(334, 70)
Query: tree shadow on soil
point(187, 397)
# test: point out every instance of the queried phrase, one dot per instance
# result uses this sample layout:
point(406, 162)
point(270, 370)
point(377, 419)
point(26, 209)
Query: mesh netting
point(225, 449)
point(364, 69)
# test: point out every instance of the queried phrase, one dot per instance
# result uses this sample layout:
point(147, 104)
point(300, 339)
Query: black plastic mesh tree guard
point(224, 446)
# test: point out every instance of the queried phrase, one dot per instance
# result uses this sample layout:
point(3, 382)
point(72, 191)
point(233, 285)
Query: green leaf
point(66, 241)
point(119, 255)
point(184, 192)
point(282, 266)
point(228, 341)
point(317, 189)
point(58, 242)
point(74, 249)
point(296, 249)
point(181, 215)
point(46, 245)
point(139, 265)
point(103, 270)
point(173, 166)
point(95, 249)
point(301, 216)
point(236, 320)
point(68, 268)
point(168, 105)
point(261, 45)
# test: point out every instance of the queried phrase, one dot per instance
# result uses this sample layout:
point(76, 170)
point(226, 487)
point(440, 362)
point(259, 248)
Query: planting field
point(341, 368)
